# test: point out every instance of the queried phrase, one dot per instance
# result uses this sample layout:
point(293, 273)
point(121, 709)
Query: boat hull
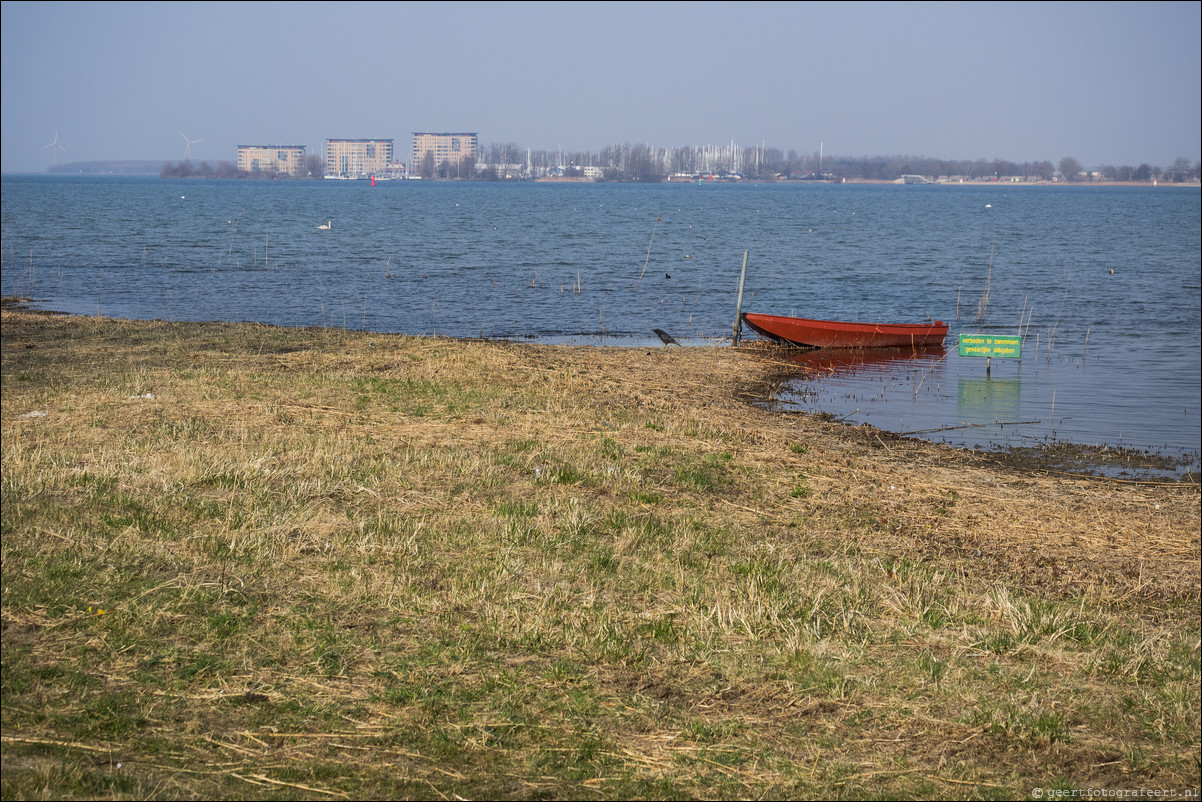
point(810, 333)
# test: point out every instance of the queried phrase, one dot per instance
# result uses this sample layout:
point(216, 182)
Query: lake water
point(1103, 283)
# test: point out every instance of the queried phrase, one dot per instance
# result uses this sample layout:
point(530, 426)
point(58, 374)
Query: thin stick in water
point(1052, 334)
point(231, 250)
point(648, 259)
point(983, 306)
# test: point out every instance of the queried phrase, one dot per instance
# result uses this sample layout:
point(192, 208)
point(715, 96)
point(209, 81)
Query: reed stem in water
point(648, 259)
point(983, 306)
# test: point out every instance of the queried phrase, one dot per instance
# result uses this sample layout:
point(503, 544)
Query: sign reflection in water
point(991, 404)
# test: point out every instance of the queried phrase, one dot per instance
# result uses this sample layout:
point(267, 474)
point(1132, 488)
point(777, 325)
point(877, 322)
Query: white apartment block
point(281, 159)
point(446, 147)
point(355, 158)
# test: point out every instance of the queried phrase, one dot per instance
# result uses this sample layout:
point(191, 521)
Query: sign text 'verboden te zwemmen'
point(990, 345)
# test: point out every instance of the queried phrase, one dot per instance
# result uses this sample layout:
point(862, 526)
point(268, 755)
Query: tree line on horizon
point(648, 164)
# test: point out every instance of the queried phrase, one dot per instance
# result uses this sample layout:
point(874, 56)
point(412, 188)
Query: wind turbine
point(188, 147)
point(54, 149)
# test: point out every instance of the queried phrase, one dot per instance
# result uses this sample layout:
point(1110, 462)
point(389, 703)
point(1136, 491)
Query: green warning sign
point(990, 345)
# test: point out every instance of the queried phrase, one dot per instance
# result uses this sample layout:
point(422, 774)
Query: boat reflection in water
point(891, 388)
point(852, 360)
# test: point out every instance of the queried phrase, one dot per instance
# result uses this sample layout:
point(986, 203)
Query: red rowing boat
point(838, 334)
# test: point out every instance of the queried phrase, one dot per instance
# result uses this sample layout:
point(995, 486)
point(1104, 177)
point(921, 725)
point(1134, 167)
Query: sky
point(1104, 83)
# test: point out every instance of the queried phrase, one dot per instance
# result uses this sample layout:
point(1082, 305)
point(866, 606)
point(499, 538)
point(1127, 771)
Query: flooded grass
point(1044, 413)
point(243, 561)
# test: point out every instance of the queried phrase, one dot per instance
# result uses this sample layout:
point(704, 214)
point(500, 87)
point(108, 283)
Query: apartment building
point(280, 159)
point(354, 158)
point(446, 147)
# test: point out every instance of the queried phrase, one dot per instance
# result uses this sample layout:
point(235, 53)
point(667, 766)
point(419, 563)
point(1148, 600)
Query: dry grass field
point(253, 562)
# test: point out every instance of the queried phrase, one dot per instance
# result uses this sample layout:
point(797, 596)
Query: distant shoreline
point(1156, 184)
point(687, 181)
point(885, 182)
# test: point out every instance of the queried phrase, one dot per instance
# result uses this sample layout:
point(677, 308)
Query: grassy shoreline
point(245, 561)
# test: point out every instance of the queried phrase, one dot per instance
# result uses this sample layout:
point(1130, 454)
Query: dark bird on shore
point(665, 337)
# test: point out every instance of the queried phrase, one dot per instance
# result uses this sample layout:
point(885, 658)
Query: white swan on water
point(326, 227)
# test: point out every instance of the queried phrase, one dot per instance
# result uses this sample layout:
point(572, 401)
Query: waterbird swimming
point(665, 337)
point(326, 227)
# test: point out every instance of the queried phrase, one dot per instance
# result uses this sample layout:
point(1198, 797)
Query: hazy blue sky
point(1105, 83)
